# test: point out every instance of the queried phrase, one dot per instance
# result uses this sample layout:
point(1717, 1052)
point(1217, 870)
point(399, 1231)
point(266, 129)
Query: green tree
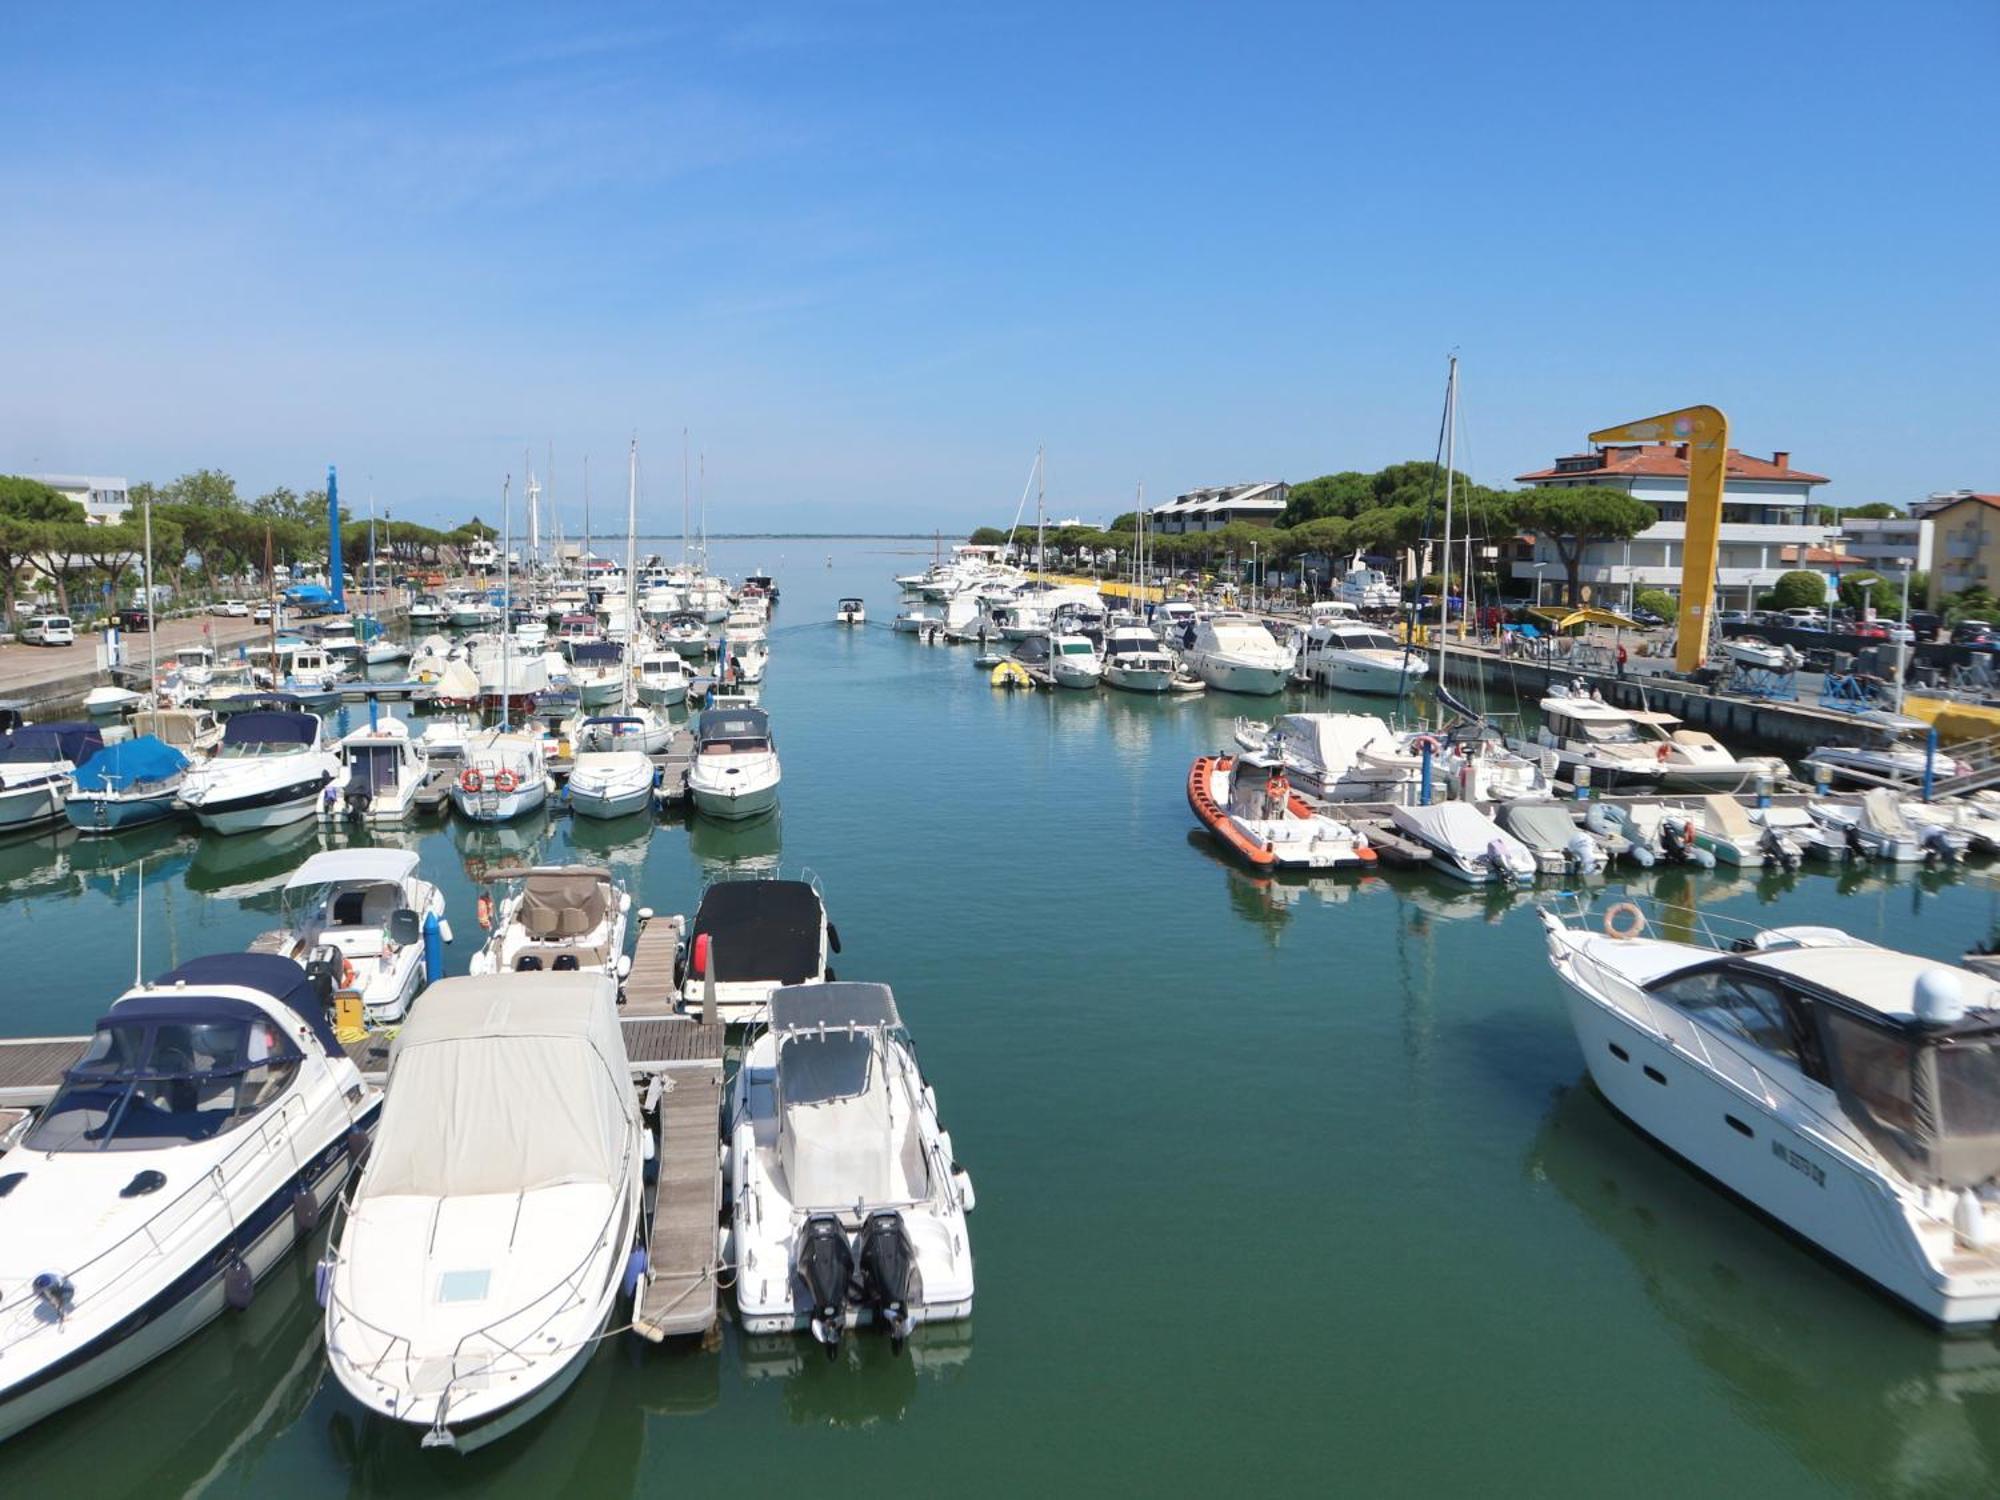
point(28, 508)
point(1574, 519)
point(1659, 601)
point(988, 536)
point(1798, 590)
point(1874, 510)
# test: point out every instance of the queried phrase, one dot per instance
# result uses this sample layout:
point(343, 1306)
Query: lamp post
point(1904, 633)
point(1540, 569)
point(1253, 575)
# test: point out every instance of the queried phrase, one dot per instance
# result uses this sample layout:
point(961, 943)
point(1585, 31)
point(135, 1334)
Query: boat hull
point(655, 696)
point(31, 806)
point(1348, 674)
point(1140, 679)
point(1241, 677)
point(277, 808)
point(610, 804)
point(499, 807)
point(731, 805)
point(90, 814)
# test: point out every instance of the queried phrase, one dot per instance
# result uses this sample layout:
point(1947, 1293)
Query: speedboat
point(1846, 1090)
point(1897, 749)
point(662, 678)
point(506, 775)
point(36, 763)
point(1359, 658)
point(559, 918)
point(1074, 662)
point(850, 612)
point(473, 614)
point(1345, 757)
point(269, 770)
point(646, 731)
point(610, 783)
point(687, 633)
point(1244, 802)
point(1236, 654)
point(744, 661)
point(1750, 651)
point(207, 1123)
point(1482, 767)
point(1723, 826)
point(1878, 827)
point(1552, 836)
point(360, 922)
point(1466, 844)
point(848, 1202)
point(735, 771)
point(1975, 820)
point(109, 702)
point(126, 785)
point(382, 769)
point(1135, 661)
point(486, 1246)
point(1629, 747)
point(1654, 832)
point(597, 672)
point(1798, 827)
point(426, 611)
point(752, 937)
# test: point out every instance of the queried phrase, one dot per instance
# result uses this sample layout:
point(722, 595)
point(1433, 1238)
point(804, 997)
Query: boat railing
point(264, 1140)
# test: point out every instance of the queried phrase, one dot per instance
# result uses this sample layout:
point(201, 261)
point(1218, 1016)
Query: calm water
point(1293, 1186)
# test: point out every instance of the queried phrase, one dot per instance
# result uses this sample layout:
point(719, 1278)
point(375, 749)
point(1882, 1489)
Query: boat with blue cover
point(127, 785)
point(36, 763)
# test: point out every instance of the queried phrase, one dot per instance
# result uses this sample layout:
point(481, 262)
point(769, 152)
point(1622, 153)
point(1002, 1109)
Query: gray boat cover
point(1539, 825)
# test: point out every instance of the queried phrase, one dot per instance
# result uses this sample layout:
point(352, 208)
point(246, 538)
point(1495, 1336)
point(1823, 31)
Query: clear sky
point(872, 254)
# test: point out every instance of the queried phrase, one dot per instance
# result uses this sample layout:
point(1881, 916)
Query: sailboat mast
point(1444, 579)
point(506, 601)
point(586, 528)
point(631, 573)
point(684, 501)
point(152, 649)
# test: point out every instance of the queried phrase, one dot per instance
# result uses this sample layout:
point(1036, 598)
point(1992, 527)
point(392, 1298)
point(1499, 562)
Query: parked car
point(1646, 616)
point(261, 615)
point(1971, 633)
point(1900, 635)
point(135, 618)
point(1804, 618)
point(49, 630)
point(235, 609)
point(1734, 617)
point(1869, 630)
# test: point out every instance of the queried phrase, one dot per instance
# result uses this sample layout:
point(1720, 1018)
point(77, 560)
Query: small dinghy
point(1245, 801)
point(1978, 821)
point(1722, 826)
point(1552, 836)
point(1762, 654)
point(1657, 834)
point(1469, 845)
point(109, 702)
point(1798, 827)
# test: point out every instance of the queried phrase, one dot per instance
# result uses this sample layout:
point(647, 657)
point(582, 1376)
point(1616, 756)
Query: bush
point(1659, 601)
point(1798, 590)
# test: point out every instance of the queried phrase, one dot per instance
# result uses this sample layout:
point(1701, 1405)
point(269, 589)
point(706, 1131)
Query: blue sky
point(872, 254)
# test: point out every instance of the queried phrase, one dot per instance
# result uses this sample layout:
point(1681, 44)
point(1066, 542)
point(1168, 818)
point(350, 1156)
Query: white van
point(48, 630)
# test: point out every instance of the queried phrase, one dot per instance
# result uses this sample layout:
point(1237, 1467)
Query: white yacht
point(1630, 747)
point(1359, 658)
point(644, 730)
point(744, 662)
point(850, 611)
point(195, 732)
point(1135, 661)
point(597, 672)
point(662, 678)
point(1074, 662)
point(610, 783)
point(848, 1203)
point(735, 772)
point(1174, 621)
point(37, 762)
point(269, 770)
point(207, 1123)
point(1846, 1090)
point(1368, 588)
point(361, 918)
point(382, 770)
point(1343, 757)
point(484, 1252)
point(751, 937)
point(687, 633)
point(559, 919)
point(506, 774)
point(1236, 654)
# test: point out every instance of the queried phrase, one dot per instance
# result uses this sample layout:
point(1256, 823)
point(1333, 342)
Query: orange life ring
point(470, 779)
point(1614, 927)
point(347, 973)
point(1664, 751)
point(506, 782)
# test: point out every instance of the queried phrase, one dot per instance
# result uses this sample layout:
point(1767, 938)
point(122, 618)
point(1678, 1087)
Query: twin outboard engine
point(826, 1269)
point(1586, 855)
point(891, 1284)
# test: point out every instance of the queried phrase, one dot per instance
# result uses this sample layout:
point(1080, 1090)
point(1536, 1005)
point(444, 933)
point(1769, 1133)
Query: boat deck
point(650, 989)
point(679, 1294)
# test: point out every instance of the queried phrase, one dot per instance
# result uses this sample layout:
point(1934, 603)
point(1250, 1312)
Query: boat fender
point(357, 1145)
point(323, 1278)
point(1624, 921)
point(1663, 752)
point(305, 1209)
point(238, 1285)
point(635, 1267)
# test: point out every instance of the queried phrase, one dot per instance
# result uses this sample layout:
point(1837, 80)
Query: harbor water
point(1284, 1186)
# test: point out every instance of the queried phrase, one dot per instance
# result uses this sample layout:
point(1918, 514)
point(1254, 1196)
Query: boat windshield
point(1931, 1105)
point(253, 749)
point(143, 1084)
point(1616, 732)
point(1076, 648)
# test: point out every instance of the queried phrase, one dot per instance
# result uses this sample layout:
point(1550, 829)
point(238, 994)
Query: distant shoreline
point(787, 536)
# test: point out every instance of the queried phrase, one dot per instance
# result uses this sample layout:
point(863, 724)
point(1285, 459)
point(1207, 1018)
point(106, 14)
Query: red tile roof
point(1669, 461)
point(1992, 500)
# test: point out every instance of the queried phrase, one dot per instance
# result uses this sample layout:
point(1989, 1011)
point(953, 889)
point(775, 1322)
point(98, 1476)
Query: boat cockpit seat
point(565, 963)
point(527, 963)
point(575, 923)
point(540, 921)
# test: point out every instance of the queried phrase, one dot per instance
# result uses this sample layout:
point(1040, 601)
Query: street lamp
point(1540, 569)
point(1903, 633)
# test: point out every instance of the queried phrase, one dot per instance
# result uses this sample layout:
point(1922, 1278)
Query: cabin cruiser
point(36, 762)
point(917, 620)
point(847, 1201)
point(1074, 662)
point(644, 730)
point(195, 732)
point(745, 661)
point(1236, 654)
point(486, 1246)
point(126, 785)
point(338, 635)
point(1897, 749)
point(1630, 746)
point(473, 614)
point(1343, 757)
point(744, 625)
point(1368, 588)
point(426, 611)
point(209, 1120)
point(662, 678)
point(597, 672)
point(610, 783)
point(850, 611)
point(269, 770)
point(1174, 621)
point(559, 918)
point(358, 920)
point(1798, 827)
point(1846, 1090)
point(506, 775)
point(1135, 661)
point(1464, 843)
point(751, 937)
point(382, 770)
point(1750, 651)
point(1480, 766)
point(735, 772)
point(687, 633)
point(1359, 658)
point(1246, 802)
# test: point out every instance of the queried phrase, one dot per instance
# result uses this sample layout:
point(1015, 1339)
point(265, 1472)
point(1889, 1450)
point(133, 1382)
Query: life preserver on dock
point(470, 779)
point(347, 973)
point(506, 782)
point(485, 909)
point(1616, 925)
point(1428, 742)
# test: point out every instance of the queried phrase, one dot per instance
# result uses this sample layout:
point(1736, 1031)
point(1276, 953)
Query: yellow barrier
point(1955, 722)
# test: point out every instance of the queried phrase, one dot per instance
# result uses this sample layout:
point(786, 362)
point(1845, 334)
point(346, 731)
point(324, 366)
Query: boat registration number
point(1799, 1162)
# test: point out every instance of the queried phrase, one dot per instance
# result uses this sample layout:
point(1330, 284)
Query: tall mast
point(586, 528)
point(506, 602)
point(684, 500)
point(1444, 580)
point(701, 494)
point(152, 650)
point(631, 573)
point(1041, 494)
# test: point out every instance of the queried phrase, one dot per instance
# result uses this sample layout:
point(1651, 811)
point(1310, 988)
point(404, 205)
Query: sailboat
point(506, 772)
point(613, 774)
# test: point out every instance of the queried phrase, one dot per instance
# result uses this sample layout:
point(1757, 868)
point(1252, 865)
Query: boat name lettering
point(1799, 1162)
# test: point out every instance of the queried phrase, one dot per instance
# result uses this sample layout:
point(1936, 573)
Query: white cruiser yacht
point(1846, 1090)
point(687, 633)
point(382, 770)
point(1359, 658)
point(1174, 620)
point(850, 611)
point(209, 1120)
point(1236, 654)
point(1630, 747)
point(1344, 757)
point(269, 770)
point(745, 662)
point(359, 918)
point(847, 1201)
point(473, 614)
point(485, 1249)
point(1368, 588)
point(735, 772)
point(610, 783)
point(662, 678)
point(559, 918)
point(752, 937)
point(506, 774)
point(1135, 661)
point(645, 730)
point(1074, 662)
point(37, 762)
point(597, 672)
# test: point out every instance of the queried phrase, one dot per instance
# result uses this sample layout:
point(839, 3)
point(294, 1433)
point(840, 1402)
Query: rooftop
point(1668, 461)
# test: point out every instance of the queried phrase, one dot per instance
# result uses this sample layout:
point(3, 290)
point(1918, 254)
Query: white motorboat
point(1897, 749)
point(751, 938)
point(195, 732)
point(1135, 661)
point(1247, 804)
point(848, 1203)
point(1174, 621)
point(338, 635)
point(644, 730)
point(359, 921)
point(1551, 834)
point(610, 783)
point(426, 613)
point(743, 625)
point(1466, 844)
point(381, 651)
point(662, 679)
point(506, 775)
point(269, 770)
point(109, 702)
point(1799, 828)
point(918, 620)
point(850, 611)
point(1234, 653)
point(486, 1246)
point(1074, 662)
point(382, 770)
point(1354, 657)
point(735, 772)
point(597, 671)
point(1344, 757)
point(1846, 1090)
point(1479, 765)
point(445, 737)
point(208, 1122)
point(1978, 821)
point(1584, 733)
point(1879, 827)
point(1723, 826)
point(473, 614)
point(36, 763)
point(744, 662)
point(1760, 654)
point(1367, 588)
point(687, 633)
point(558, 919)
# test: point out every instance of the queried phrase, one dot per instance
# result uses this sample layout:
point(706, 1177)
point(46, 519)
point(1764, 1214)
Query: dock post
point(1427, 774)
point(1822, 778)
point(1930, 761)
point(1764, 790)
point(1583, 783)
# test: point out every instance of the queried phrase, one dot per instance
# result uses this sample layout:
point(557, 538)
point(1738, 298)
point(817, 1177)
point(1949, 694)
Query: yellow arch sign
point(1706, 433)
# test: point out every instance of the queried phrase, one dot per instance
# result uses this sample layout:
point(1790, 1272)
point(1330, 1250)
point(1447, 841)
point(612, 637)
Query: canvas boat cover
point(596, 653)
point(1727, 817)
point(1456, 826)
point(762, 930)
point(723, 724)
point(1539, 825)
point(1883, 814)
point(839, 1141)
point(117, 768)
point(270, 728)
point(1334, 741)
point(506, 1084)
point(845, 1003)
point(42, 744)
point(176, 726)
point(360, 866)
point(561, 901)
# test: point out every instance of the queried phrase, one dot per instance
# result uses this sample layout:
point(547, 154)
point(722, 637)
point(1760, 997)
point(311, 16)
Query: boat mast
point(152, 649)
point(586, 529)
point(631, 573)
point(1444, 552)
point(506, 601)
point(684, 505)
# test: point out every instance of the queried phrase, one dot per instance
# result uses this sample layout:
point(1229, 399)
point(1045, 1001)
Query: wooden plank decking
point(650, 989)
point(678, 1295)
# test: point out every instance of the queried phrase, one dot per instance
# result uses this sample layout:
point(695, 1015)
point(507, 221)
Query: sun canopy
point(269, 728)
point(598, 653)
point(42, 743)
point(807, 1007)
point(360, 866)
point(118, 767)
point(506, 1084)
point(762, 930)
point(734, 724)
point(1577, 617)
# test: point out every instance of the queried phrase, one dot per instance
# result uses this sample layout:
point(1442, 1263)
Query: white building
point(1767, 510)
point(103, 498)
point(1887, 544)
point(1212, 509)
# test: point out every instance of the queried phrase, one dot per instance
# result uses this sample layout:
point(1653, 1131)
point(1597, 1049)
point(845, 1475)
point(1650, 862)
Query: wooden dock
point(674, 762)
point(679, 1292)
point(650, 989)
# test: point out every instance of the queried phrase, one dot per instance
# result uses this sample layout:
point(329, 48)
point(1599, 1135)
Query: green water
point(1291, 1187)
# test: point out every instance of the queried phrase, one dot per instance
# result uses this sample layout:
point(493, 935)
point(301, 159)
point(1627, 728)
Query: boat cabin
point(268, 732)
point(841, 1138)
point(733, 731)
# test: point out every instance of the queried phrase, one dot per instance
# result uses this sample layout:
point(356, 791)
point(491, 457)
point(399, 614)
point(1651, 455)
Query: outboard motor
point(1586, 855)
point(1496, 860)
point(891, 1284)
point(1938, 843)
point(1678, 845)
point(359, 795)
point(1778, 849)
point(826, 1269)
point(323, 966)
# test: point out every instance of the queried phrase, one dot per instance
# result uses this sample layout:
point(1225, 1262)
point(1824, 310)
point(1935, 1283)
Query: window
point(1737, 1004)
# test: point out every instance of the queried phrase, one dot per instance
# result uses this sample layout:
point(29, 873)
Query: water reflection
point(867, 1383)
point(1860, 1391)
point(486, 847)
point(619, 842)
point(244, 866)
point(61, 861)
point(725, 850)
